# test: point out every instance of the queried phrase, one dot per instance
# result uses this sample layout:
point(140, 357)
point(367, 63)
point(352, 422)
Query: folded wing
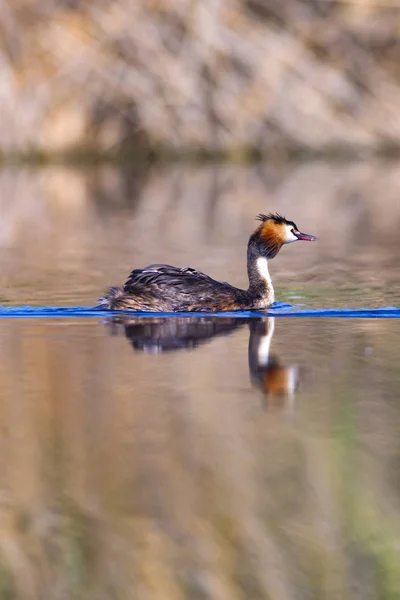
point(180, 288)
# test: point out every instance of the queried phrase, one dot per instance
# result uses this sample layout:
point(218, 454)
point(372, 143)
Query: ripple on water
point(278, 310)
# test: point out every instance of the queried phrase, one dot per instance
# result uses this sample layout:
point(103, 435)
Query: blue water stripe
point(278, 310)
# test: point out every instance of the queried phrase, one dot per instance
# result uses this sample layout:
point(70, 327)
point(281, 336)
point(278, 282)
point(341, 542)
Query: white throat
point(262, 268)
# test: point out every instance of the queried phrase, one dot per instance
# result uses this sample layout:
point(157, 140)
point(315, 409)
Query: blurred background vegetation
point(202, 77)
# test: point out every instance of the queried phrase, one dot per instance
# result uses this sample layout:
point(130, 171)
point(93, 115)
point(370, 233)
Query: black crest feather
point(276, 217)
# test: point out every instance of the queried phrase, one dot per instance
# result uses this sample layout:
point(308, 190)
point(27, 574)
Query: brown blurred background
point(199, 75)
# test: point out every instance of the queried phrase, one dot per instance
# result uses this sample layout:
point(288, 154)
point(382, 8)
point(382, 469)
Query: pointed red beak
point(305, 237)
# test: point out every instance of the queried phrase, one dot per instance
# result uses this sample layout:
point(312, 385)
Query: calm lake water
point(199, 458)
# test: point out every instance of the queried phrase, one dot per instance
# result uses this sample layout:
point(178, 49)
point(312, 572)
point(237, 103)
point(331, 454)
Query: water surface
point(200, 457)
point(156, 457)
point(66, 235)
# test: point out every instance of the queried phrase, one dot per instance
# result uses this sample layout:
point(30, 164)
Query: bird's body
point(163, 288)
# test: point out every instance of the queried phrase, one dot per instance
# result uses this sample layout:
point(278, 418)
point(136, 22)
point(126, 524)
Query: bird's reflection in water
point(268, 372)
point(277, 381)
point(155, 335)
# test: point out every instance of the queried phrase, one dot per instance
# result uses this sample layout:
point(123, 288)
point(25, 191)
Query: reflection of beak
point(305, 237)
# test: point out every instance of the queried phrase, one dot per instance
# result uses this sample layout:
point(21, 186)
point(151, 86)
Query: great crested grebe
point(162, 288)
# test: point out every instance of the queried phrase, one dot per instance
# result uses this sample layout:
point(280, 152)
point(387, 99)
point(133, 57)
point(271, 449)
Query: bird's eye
point(292, 230)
